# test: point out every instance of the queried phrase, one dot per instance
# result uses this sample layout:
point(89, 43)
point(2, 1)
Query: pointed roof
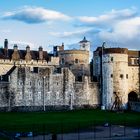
point(84, 40)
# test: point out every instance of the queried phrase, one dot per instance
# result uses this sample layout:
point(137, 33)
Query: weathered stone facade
point(118, 71)
point(46, 87)
point(35, 80)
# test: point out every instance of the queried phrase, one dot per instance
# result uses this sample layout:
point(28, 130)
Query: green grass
point(64, 121)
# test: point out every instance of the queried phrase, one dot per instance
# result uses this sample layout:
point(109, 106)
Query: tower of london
point(35, 80)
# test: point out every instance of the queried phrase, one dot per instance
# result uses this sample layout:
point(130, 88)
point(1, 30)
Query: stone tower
point(115, 78)
point(84, 44)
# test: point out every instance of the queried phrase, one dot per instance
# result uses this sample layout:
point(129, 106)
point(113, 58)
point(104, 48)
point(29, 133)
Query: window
point(62, 61)
point(30, 95)
point(57, 95)
point(30, 83)
point(79, 79)
point(76, 60)
point(39, 95)
point(20, 83)
point(84, 45)
point(35, 69)
point(135, 61)
point(48, 95)
point(121, 76)
point(114, 93)
point(20, 96)
point(111, 75)
point(111, 59)
point(126, 76)
point(39, 83)
point(138, 61)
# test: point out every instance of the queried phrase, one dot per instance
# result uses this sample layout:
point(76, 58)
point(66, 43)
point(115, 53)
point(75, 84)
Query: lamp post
point(102, 83)
point(44, 109)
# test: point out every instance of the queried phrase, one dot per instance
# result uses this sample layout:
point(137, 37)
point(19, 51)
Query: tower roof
point(84, 40)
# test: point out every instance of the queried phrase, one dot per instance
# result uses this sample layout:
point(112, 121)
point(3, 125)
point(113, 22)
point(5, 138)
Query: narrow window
point(126, 76)
point(135, 61)
point(111, 59)
point(121, 76)
point(111, 75)
point(138, 61)
point(62, 61)
point(76, 61)
point(39, 83)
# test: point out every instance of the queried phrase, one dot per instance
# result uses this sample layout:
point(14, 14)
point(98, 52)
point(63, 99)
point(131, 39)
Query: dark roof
point(22, 53)
point(5, 77)
point(84, 40)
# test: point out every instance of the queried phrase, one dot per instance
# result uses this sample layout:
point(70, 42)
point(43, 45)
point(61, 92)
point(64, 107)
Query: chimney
point(15, 47)
point(40, 50)
point(28, 49)
point(28, 56)
point(61, 48)
point(6, 47)
point(6, 44)
point(15, 55)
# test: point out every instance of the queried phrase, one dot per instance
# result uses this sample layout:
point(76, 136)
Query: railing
point(79, 131)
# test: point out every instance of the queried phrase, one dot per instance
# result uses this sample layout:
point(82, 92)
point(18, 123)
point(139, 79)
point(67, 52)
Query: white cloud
point(80, 32)
point(109, 17)
point(35, 15)
point(119, 28)
point(5, 31)
point(125, 33)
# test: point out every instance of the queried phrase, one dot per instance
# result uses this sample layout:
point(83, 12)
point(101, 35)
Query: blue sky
point(51, 22)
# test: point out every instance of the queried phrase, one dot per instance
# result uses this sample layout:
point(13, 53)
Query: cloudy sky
point(51, 22)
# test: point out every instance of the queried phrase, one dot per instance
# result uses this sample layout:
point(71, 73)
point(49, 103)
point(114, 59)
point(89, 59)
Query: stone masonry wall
point(46, 87)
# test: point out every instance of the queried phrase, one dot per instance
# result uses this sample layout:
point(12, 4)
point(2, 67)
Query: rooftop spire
point(84, 40)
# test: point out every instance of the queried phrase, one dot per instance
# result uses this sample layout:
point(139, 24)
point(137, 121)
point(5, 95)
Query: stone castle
point(37, 80)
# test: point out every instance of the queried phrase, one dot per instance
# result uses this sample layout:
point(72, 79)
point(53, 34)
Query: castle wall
point(87, 93)
point(47, 87)
point(134, 79)
point(6, 64)
point(37, 89)
point(3, 96)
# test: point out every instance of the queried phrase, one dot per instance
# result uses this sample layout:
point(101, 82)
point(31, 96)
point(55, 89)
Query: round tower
point(115, 78)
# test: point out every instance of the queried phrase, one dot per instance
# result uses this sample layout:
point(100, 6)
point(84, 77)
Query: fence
point(70, 131)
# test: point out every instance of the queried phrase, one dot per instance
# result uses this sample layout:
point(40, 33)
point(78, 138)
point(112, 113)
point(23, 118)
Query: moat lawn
point(64, 121)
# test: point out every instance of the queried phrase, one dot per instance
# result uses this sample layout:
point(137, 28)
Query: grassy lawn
point(64, 121)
